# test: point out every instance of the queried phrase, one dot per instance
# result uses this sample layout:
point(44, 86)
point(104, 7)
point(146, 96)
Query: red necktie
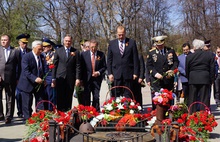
point(93, 62)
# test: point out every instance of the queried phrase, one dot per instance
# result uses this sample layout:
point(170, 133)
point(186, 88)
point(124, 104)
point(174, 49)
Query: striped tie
point(121, 48)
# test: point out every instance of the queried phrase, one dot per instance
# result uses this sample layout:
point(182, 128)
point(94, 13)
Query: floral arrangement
point(177, 110)
point(195, 127)
point(38, 123)
point(86, 112)
point(120, 106)
point(163, 97)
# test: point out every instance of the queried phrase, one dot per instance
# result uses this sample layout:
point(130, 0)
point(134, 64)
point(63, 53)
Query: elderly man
point(94, 64)
point(8, 63)
point(161, 60)
point(200, 73)
point(33, 67)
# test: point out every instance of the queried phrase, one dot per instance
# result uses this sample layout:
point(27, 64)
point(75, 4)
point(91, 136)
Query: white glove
point(158, 76)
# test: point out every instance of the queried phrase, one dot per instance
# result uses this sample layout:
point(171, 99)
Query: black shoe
point(20, 115)
point(2, 119)
point(8, 121)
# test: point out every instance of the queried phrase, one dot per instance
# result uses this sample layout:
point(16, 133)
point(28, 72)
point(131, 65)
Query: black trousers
point(121, 91)
point(92, 87)
point(199, 92)
point(64, 92)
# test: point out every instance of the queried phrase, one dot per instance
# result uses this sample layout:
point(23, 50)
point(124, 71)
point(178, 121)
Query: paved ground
point(16, 130)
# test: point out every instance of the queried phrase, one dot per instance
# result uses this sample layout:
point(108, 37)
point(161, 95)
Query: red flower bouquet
point(195, 127)
point(163, 97)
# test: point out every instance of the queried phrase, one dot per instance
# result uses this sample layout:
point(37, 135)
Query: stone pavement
point(15, 131)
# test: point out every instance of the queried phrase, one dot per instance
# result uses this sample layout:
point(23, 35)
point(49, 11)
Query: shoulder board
point(17, 47)
point(152, 49)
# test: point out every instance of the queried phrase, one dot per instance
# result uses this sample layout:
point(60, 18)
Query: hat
point(23, 37)
point(159, 40)
point(47, 42)
point(208, 43)
point(82, 41)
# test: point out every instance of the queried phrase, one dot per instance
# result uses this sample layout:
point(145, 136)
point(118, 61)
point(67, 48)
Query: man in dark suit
point(122, 62)
point(201, 74)
point(160, 61)
point(33, 70)
point(139, 82)
point(8, 63)
point(182, 71)
point(66, 73)
point(19, 52)
point(94, 66)
point(217, 80)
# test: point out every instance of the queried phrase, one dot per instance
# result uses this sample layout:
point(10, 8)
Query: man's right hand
point(111, 78)
point(53, 83)
point(158, 76)
point(38, 80)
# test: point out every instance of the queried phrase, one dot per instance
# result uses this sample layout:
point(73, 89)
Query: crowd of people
point(50, 72)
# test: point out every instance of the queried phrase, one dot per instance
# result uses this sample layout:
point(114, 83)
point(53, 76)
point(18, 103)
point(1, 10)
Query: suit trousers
point(10, 100)
point(199, 92)
point(137, 92)
point(93, 86)
point(64, 91)
point(18, 98)
point(121, 91)
point(27, 101)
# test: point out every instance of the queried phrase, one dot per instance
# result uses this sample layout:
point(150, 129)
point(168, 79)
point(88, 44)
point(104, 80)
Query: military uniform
point(158, 63)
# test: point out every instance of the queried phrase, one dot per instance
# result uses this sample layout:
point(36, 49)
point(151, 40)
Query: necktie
point(93, 62)
point(161, 52)
point(121, 48)
point(39, 66)
point(6, 54)
point(67, 52)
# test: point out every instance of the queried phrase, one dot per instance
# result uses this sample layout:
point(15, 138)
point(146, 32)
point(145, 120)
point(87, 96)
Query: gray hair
point(198, 44)
point(86, 44)
point(35, 43)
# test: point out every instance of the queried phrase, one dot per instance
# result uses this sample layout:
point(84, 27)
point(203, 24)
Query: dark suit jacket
point(200, 67)
point(100, 65)
point(123, 66)
point(29, 72)
point(157, 63)
point(67, 68)
point(18, 54)
point(8, 69)
point(142, 66)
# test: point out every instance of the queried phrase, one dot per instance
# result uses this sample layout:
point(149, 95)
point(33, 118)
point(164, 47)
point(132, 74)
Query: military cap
point(159, 40)
point(208, 43)
point(83, 41)
point(23, 37)
point(47, 42)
